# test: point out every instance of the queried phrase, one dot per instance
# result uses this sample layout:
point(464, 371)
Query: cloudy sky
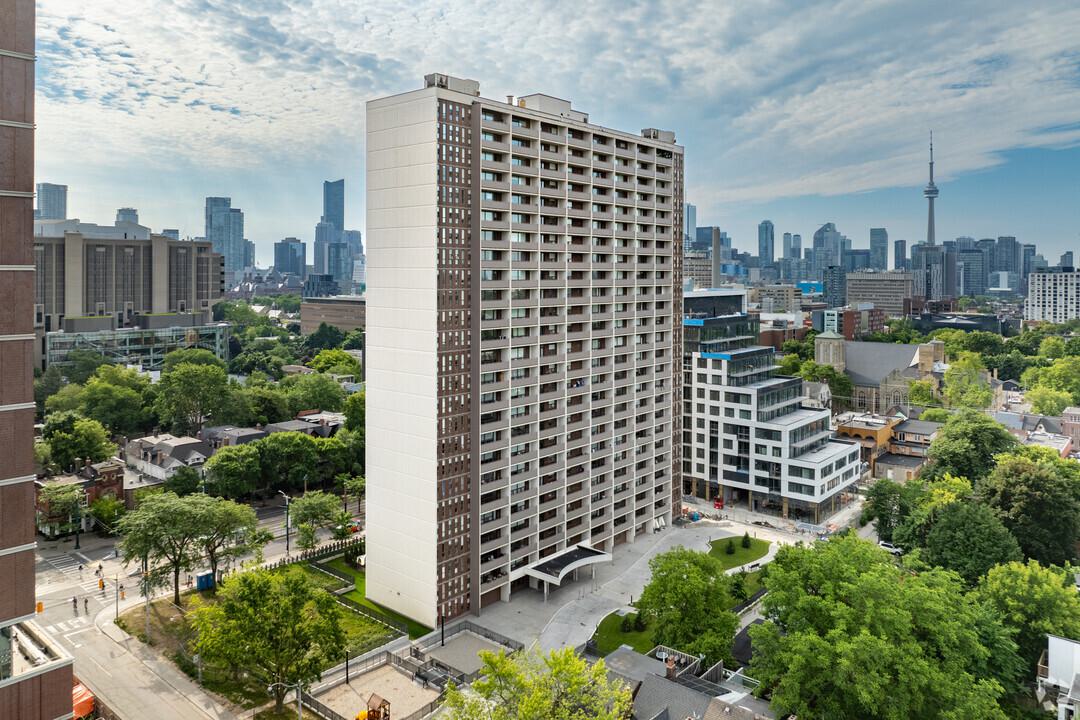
point(796, 111)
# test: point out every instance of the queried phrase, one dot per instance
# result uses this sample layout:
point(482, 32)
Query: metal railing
point(335, 547)
point(427, 709)
point(318, 708)
point(435, 637)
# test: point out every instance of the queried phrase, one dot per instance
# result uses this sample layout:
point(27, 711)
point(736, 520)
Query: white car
point(890, 548)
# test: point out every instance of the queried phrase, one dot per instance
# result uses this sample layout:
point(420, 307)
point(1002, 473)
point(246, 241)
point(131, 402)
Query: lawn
point(742, 555)
point(324, 580)
point(287, 713)
point(357, 595)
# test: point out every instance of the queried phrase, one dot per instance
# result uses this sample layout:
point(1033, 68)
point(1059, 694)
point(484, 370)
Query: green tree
point(967, 384)
point(107, 510)
point(73, 439)
point(234, 470)
point(267, 403)
point(921, 392)
point(888, 504)
point(336, 361)
point(935, 414)
point(1048, 401)
point(81, 364)
point(190, 356)
point(984, 343)
point(185, 480)
point(67, 399)
point(840, 385)
point(850, 635)
point(189, 394)
point(313, 391)
point(251, 361)
point(231, 531)
point(354, 340)
point(353, 440)
point(325, 337)
point(969, 539)
point(279, 627)
point(1052, 347)
point(287, 459)
point(47, 385)
point(355, 412)
point(930, 499)
point(114, 397)
point(165, 531)
point(1038, 504)
point(353, 486)
point(1062, 375)
point(316, 509)
point(688, 597)
point(1033, 601)
point(561, 686)
point(966, 445)
point(63, 503)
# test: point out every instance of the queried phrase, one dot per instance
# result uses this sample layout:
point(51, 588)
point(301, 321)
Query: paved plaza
point(462, 651)
point(404, 695)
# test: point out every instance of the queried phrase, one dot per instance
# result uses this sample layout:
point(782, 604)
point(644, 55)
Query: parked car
point(890, 548)
point(353, 526)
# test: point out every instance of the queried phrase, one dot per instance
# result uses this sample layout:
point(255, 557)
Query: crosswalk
point(65, 626)
point(69, 567)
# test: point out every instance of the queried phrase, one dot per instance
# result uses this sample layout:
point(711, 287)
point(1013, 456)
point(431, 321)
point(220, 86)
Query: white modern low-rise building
point(750, 437)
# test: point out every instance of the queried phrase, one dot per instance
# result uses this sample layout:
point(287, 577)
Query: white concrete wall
point(401, 353)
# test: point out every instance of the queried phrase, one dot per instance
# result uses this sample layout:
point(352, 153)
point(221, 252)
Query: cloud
point(771, 99)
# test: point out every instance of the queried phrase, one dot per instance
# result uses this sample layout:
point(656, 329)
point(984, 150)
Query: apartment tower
point(524, 334)
point(35, 673)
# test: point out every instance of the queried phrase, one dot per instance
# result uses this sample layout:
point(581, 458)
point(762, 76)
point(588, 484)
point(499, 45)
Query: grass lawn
point(324, 580)
point(357, 595)
point(742, 555)
point(287, 713)
point(609, 636)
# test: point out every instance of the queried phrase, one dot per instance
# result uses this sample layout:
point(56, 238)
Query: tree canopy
point(850, 635)
point(558, 686)
point(191, 393)
point(165, 532)
point(968, 538)
point(965, 446)
point(688, 598)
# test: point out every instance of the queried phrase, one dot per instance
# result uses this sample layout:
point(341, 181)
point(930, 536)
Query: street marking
point(72, 634)
point(101, 667)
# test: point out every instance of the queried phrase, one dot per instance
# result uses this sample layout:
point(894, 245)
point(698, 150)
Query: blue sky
point(796, 111)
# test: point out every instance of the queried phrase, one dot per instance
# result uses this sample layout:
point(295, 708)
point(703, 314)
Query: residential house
point(1070, 424)
point(226, 436)
point(1061, 444)
point(1058, 677)
point(96, 480)
point(874, 432)
point(153, 459)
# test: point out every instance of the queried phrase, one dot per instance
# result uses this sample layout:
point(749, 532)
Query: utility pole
point(287, 499)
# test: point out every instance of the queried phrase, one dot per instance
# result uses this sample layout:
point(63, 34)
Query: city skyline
point(269, 91)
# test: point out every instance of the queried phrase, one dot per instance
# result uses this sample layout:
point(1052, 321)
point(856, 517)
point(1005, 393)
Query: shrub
point(639, 622)
point(746, 540)
point(627, 624)
point(730, 547)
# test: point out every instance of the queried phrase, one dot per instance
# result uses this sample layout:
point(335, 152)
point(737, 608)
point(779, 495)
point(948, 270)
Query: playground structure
point(378, 708)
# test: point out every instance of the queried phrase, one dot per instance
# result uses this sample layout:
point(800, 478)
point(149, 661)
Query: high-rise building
point(928, 263)
point(1053, 296)
point(749, 439)
point(858, 259)
point(709, 235)
point(690, 221)
point(886, 290)
point(900, 258)
point(51, 202)
point(828, 245)
point(1007, 256)
point(249, 253)
point(127, 215)
point(524, 343)
point(971, 273)
point(786, 249)
point(325, 234)
point(35, 671)
point(225, 231)
point(333, 193)
point(339, 264)
point(965, 243)
point(1066, 260)
point(835, 281)
point(171, 233)
point(930, 192)
point(355, 240)
point(879, 248)
point(290, 256)
point(1027, 259)
point(766, 243)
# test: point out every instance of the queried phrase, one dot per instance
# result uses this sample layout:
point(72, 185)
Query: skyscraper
point(249, 253)
point(325, 234)
point(879, 248)
point(1066, 260)
point(524, 392)
point(835, 281)
point(290, 256)
point(225, 231)
point(766, 243)
point(930, 193)
point(171, 233)
point(690, 229)
point(51, 201)
point(796, 246)
point(333, 199)
point(827, 247)
point(787, 246)
point(900, 258)
point(128, 215)
point(971, 273)
point(339, 264)
point(35, 671)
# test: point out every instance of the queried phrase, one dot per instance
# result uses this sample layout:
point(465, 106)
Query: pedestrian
point(80, 571)
point(75, 605)
point(86, 605)
point(100, 568)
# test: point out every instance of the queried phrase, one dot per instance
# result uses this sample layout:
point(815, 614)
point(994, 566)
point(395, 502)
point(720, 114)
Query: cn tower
point(930, 193)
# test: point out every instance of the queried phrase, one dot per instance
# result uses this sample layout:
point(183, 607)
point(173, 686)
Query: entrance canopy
point(554, 568)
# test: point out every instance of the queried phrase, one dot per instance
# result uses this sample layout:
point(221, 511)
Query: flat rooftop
point(462, 651)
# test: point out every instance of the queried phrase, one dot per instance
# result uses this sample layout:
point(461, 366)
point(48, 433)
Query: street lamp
point(297, 686)
point(287, 499)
